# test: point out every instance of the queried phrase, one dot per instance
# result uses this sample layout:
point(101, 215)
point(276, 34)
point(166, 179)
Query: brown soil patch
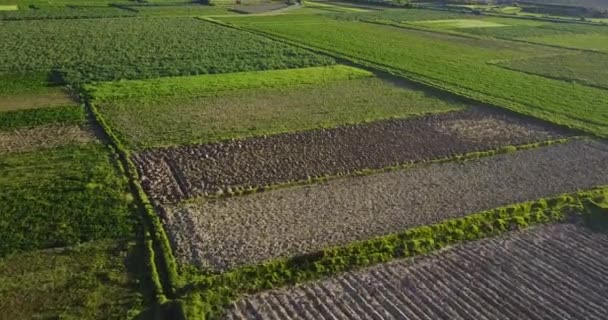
point(225, 233)
point(550, 272)
point(22, 140)
point(178, 173)
point(55, 97)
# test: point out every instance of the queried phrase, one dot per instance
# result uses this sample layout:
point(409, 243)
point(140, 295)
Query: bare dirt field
point(22, 140)
point(224, 233)
point(173, 174)
point(550, 272)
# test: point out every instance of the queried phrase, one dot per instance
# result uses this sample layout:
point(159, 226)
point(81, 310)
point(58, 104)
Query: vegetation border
point(209, 294)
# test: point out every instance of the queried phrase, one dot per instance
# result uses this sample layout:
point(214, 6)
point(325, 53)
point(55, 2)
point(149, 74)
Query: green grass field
point(452, 63)
point(205, 85)
point(60, 197)
point(110, 49)
point(29, 118)
point(596, 42)
point(245, 113)
point(91, 281)
point(585, 68)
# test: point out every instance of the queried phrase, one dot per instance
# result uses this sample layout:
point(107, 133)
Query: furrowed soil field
point(463, 67)
point(107, 49)
point(224, 233)
point(549, 272)
point(179, 173)
point(238, 114)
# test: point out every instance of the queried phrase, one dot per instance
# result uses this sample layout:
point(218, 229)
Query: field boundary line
point(163, 266)
point(470, 156)
point(208, 296)
point(428, 82)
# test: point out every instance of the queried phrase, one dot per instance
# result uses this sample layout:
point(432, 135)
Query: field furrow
point(224, 233)
point(45, 137)
point(258, 162)
point(494, 270)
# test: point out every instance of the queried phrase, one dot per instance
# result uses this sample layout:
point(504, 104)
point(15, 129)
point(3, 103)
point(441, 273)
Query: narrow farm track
point(225, 233)
point(174, 174)
point(550, 272)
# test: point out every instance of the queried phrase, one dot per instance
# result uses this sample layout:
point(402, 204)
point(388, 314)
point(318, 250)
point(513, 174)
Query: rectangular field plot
point(451, 63)
point(110, 49)
point(91, 281)
point(585, 68)
point(597, 42)
point(549, 272)
point(222, 234)
point(460, 24)
point(61, 196)
point(179, 173)
point(246, 113)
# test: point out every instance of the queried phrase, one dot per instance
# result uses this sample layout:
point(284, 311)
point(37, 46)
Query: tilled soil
point(178, 173)
point(551, 272)
point(225, 233)
point(51, 136)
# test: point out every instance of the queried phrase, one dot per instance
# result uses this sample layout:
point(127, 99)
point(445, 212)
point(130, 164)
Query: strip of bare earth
point(178, 173)
point(43, 137)
point(226, 233)
point(550, 272)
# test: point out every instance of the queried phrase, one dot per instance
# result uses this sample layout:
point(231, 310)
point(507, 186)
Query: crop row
point(451, 63)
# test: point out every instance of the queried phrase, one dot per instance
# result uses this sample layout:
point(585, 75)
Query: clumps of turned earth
point(225, 233)
point(43, 137)
point(550, 272)
point(174, 174)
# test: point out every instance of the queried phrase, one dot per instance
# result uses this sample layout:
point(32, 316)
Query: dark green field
point(174, 159)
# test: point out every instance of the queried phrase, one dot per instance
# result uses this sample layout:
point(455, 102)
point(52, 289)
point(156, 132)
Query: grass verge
point(209, 294)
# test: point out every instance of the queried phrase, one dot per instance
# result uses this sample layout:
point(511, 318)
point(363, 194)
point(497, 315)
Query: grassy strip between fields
point(205, 85)
point(208, 295)
point(239, 191)
point(64, 115)
point(162, 267)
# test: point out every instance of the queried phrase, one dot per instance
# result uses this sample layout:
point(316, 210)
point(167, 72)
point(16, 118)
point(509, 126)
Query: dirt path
point(225, 233)
point(551, 272)
point(174, 174)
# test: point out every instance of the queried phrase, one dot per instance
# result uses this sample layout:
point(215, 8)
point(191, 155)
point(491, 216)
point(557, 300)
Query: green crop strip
point(208, 294)
point(66, 115)
point(429, 58)
point(61, 197)
point(239, 191)
point(207, 85)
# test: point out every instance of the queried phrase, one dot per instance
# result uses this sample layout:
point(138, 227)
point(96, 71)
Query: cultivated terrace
point(171, 159)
